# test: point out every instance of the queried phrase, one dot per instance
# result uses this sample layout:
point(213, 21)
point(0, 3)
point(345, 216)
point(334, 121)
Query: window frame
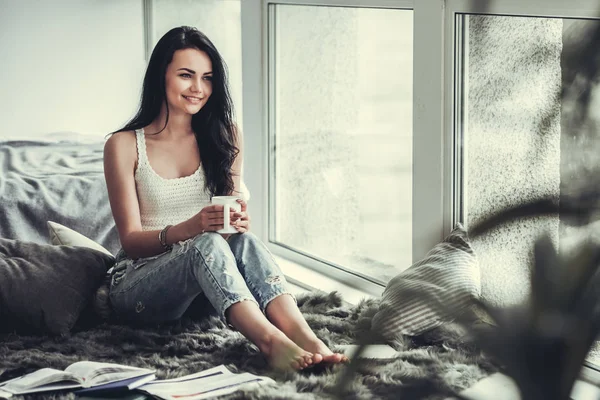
point(334, 270)
point(438, 136)
point(258, 81)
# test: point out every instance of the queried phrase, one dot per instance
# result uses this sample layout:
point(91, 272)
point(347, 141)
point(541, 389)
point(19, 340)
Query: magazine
point(210, 383)
point(86, 374)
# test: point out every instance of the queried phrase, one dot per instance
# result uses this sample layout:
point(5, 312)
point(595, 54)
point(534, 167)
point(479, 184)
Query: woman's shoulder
point(121, 138)
point(122, 142)
point(123, 135)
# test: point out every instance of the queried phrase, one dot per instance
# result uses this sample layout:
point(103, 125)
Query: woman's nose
point(196, 86)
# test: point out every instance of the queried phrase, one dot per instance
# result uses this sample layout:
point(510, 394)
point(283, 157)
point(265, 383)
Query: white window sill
point(310, 280)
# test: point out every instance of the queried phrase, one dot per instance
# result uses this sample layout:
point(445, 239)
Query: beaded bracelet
point(162, 237)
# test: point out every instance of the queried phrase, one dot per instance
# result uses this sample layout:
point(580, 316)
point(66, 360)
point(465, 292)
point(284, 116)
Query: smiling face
point(188, 81)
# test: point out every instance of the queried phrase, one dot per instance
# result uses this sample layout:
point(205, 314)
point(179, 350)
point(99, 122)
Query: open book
point(86, 374)
point(206, 384)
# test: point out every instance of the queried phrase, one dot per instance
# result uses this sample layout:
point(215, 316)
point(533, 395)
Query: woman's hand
point(241, 220)
point(209, 219)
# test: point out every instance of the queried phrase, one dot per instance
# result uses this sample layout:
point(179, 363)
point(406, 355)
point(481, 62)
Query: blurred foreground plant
point(542, 343)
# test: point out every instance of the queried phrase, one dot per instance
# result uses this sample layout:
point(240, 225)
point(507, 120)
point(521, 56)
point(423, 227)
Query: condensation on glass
point(515, 141)
point(341, 144)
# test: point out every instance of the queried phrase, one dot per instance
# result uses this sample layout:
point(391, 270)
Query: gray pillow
point(44, 288)
point(448, 276)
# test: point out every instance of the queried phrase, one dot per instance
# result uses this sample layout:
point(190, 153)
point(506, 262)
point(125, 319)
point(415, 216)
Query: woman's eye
point(208, 78)
point(185, 75)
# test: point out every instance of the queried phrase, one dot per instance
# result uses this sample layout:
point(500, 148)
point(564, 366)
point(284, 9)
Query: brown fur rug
point(431, 366)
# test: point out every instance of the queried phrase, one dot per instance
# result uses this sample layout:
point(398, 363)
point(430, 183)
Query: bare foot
point(284, 354)
point(321, 351)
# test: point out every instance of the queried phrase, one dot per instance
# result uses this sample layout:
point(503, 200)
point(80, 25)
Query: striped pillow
point(448, 275)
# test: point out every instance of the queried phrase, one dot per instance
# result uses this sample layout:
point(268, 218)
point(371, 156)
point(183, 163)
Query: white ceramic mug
point(229, 203)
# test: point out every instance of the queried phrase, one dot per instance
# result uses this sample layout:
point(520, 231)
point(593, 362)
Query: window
point(340, 112)
point(513, 127)
point(472, 131)
point(515, 141)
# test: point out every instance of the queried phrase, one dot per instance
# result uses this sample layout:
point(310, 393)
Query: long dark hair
point(213, 125)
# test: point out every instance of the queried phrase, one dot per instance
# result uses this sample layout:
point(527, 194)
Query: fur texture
point(430, 366)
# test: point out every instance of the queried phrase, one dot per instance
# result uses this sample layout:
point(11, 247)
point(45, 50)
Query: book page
point(40, 379)
point(10, 380)
point(202, 388)
point(220, 370)
point(212, 393)
point(95, 373)
point(115, 388)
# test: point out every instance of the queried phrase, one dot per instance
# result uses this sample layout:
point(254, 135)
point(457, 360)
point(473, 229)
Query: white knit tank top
point(166, 201)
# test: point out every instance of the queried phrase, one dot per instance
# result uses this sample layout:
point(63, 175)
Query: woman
point(161, 169)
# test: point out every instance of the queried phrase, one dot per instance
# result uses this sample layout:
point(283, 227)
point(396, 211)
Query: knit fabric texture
point(166, 201)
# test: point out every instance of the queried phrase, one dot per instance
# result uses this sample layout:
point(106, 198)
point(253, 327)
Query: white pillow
point(61, 235)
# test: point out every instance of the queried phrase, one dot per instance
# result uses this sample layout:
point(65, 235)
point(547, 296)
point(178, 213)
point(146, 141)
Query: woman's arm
point(120, 157)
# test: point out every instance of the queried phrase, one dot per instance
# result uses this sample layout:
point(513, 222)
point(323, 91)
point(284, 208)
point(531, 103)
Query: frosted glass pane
point(512, 139)
point(219, 20)
point(343, 135)
point(519, 139)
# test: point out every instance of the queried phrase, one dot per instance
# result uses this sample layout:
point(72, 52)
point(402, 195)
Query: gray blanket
point(61, 182)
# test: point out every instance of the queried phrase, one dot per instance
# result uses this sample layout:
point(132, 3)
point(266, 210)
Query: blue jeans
point(161, 288)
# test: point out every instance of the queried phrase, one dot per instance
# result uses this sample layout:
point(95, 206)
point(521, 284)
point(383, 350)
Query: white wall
point(69, 65)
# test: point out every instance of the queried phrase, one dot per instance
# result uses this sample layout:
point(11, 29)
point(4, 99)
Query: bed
point(54, 180)
point(62, 181)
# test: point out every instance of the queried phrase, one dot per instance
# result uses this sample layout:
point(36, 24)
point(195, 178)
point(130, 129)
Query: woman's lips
point(192, 99)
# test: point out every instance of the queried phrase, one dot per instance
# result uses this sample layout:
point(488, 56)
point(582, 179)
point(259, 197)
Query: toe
point(303, 362)
point(333, 358)
point(308, 358)
point(317, 358)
